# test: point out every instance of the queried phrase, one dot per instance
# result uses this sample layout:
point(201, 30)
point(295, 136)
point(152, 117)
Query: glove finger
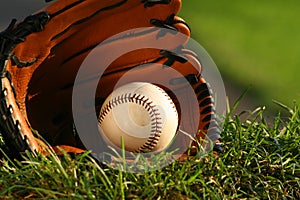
point(117, 22)
point(90, 22)
point(144, 53)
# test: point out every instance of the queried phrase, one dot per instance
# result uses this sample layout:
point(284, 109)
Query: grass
point(252, 42)
point(259, 161)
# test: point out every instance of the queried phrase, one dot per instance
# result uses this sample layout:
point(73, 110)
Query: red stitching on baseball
point(148, 105)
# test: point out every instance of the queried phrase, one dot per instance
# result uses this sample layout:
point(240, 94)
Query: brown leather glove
point(40, 58)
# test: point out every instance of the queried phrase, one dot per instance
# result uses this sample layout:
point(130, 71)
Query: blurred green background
point(253, 43)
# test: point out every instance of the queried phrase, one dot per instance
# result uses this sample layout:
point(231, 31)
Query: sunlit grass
point(259, 161)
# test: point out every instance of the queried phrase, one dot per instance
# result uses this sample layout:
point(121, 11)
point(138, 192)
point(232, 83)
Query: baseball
point(142, 114)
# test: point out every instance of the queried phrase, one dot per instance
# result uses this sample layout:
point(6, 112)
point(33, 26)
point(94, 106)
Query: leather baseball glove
point(40, 58)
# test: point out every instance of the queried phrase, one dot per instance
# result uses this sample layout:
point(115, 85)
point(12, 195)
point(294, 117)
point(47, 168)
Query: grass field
point(259, 162)
point(253, 43)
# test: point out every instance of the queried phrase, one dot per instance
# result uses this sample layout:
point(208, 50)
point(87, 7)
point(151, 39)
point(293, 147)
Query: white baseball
point(142, 114)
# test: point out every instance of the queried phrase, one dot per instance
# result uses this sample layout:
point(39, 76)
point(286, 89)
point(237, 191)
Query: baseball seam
point(156, 120)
